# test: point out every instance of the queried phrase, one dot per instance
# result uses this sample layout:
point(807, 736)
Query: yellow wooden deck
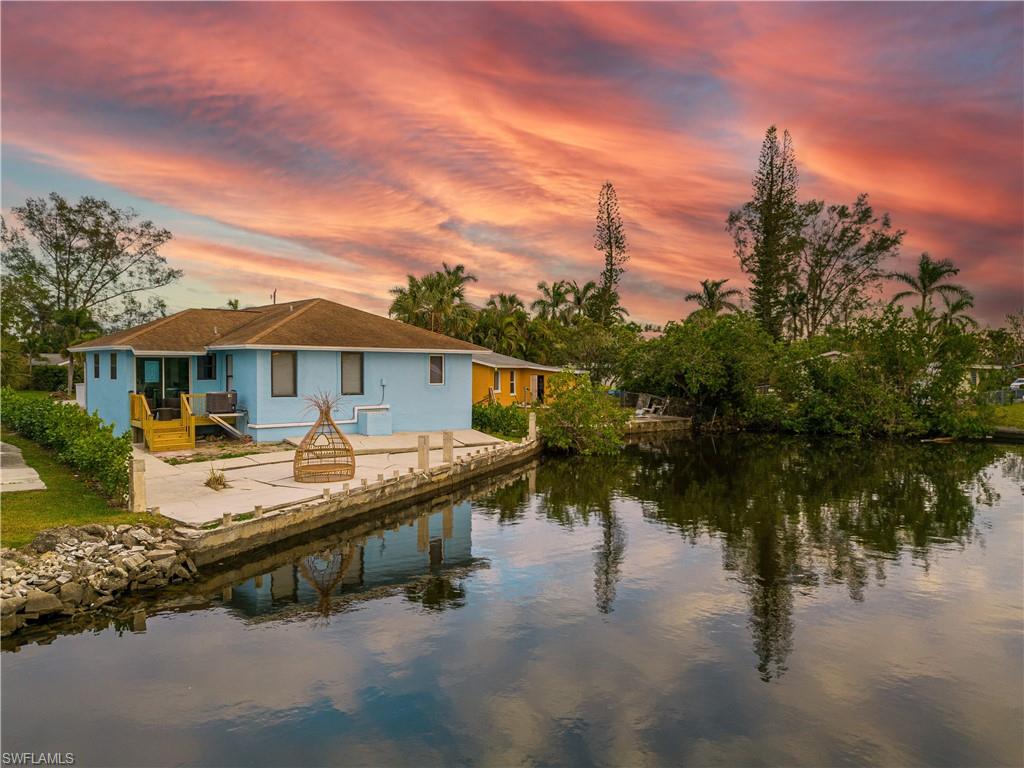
point(172, 434)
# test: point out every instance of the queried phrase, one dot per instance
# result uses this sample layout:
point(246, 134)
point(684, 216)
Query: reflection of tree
point(608, 557)
point(573, 490)
point(1013, 465)
point(790, 513)
point(508, 502)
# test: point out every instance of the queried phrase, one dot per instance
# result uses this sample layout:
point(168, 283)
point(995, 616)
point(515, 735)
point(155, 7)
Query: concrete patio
point(265, 479)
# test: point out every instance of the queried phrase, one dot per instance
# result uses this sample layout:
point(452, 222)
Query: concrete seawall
point(234, 537)
point(652, 424)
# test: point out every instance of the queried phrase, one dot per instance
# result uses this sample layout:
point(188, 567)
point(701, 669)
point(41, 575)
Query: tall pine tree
point(767, 231)
point(610, 239)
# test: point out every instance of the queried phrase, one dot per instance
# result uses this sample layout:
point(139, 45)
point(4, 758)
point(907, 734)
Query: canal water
point(752, 600)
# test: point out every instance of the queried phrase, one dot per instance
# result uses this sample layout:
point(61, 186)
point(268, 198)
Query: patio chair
point(643, 405)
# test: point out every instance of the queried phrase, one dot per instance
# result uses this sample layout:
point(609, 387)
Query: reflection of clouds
point(528, 670)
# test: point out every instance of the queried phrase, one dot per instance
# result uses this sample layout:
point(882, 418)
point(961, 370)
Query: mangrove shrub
point(581, 417)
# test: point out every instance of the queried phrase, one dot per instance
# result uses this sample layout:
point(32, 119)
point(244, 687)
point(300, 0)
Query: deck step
point(178, 445)
point(170, 437)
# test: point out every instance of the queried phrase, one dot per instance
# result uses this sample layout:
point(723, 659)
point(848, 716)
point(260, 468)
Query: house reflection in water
point(422, 556)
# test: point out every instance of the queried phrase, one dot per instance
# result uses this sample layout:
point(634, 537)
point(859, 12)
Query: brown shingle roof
point(187, 331)
point(306, 323)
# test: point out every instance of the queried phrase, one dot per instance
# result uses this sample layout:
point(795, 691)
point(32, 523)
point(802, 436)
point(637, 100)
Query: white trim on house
point(356, 410)
point(143, 353)
point(277, 347)
point(525, 366)
point(287, 347)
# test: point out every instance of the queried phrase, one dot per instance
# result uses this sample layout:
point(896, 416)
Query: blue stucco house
point(249, 371)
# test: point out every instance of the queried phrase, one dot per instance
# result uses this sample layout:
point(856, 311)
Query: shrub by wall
point(80, 440)
point(48, 378)
point(581, 417)
point(497, 419)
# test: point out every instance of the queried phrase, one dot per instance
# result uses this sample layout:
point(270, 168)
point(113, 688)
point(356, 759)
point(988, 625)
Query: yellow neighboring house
point(508, 380)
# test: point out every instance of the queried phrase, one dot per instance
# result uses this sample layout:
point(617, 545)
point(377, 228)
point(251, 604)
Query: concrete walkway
point(15, 474)
point(265, 479)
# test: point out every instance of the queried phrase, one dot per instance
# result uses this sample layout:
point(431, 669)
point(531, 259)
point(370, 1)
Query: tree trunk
point(71, 374)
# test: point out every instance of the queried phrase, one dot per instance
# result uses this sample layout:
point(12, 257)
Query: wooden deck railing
point(196, 403)
point(142, 415)
point(193, 411)
point(139, 407)
point(188, 419)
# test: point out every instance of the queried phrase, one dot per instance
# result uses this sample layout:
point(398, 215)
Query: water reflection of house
point(375, 564)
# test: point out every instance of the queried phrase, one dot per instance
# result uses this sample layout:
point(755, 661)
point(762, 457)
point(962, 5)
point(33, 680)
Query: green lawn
point(1010, 415)
point(66, 501)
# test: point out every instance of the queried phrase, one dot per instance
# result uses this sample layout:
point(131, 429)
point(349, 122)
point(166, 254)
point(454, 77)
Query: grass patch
point(1010, 415)
point(217, 453)
point(216, 480)
point(67, 500)
point(505, 437)
point(34, 393)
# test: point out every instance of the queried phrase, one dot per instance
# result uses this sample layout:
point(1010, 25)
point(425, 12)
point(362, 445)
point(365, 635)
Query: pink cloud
point(374, 140)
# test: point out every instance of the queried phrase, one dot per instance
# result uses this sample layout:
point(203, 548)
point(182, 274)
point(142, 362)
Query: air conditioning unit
point(221, 402)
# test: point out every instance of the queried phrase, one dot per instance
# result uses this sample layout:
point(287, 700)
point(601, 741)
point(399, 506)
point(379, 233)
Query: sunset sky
point(327, 150)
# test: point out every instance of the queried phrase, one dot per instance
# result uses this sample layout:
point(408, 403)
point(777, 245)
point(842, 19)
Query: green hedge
point(80, 440)
point(48, 378)
point(497, 419)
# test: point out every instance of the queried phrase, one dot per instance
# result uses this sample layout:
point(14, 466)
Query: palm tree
point(581, 297)
point(929, 281)
point(506, 303)
point(712, 298)
point(74, 326)
point(503, 325)
point(553, 302)
point(436, 301)
point(955, 312)
point(408, 301)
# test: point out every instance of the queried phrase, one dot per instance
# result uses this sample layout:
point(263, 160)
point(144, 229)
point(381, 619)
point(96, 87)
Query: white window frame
point(435, 383)
point(496, 383)
point(512, 381)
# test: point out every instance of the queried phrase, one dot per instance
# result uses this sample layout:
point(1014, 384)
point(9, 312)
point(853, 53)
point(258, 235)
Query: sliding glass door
point(162, 378)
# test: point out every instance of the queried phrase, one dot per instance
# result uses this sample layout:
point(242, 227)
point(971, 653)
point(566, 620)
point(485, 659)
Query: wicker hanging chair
point(325, 454)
